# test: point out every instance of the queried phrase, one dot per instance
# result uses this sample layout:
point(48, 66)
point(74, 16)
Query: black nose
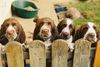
point(45, 31)
point(65, 35)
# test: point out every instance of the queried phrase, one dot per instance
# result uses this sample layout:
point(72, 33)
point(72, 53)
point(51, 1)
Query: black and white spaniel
point(66, 29)
point(87, 31)
point(11, 30)
point(45, 30)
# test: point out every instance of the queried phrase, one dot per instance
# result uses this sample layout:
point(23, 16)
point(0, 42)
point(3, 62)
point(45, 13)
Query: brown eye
point(7, 25)
point(14, 24)
point(70, 26)
point(49, 23)
point(85, 28)
point(64, 25)
point(94, 27)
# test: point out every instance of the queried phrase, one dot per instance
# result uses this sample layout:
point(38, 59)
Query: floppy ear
point(77, 35)
point(36, 31)
point(98, 35)
point(36, 19)
point(54, 32)
point(3, 29)
point(74, 29)
point(21, 35)
point(59, 27)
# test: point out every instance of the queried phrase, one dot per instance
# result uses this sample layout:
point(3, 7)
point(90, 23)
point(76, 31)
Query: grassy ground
point(90, 10)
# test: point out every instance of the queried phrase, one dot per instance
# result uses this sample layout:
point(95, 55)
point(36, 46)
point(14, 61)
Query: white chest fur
point(47, 43)
point(70, 44)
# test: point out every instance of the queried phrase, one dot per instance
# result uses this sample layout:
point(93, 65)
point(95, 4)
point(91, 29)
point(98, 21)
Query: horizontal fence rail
point(37, 54)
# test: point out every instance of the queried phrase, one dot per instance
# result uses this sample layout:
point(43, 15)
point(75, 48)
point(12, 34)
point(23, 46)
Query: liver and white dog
point(45, 30)
point(66, 30)
point(11, 30)
point(87, 31)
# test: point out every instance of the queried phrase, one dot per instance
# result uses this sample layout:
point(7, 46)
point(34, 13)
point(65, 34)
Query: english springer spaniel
point(87, 31)
point(45, 30)
point(66, 30)
point(11, 30)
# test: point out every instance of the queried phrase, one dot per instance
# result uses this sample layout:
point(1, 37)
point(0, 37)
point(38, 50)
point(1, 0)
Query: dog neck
point(70, 39)
point(47, 43)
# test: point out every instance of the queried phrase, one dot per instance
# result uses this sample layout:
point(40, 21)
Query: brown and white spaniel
point(87, 31)
point(11, 30)
point(45, 30)
point(66, 29)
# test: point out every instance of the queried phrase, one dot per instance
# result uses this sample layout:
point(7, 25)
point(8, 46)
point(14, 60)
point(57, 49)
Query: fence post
point(37, 54)
point(82, 53)
point(59, 53)
point(97, 56)
point(1, 65)
point(14, 54)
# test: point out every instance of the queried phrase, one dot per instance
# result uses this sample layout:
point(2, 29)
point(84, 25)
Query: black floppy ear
point(36, 19)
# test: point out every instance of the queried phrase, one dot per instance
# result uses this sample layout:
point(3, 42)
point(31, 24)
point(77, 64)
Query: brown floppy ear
point(21, 35)
point(77, 35)
point(74, 30)
point(3, 28)
point(36, 19)
point(98, 34)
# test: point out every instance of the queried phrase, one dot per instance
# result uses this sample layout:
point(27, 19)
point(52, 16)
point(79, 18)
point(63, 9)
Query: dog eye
point(70, 26)
point(64, 25)
point(94, 27)
point(7, 25)
point(85, 28)
point(14, 24)
point(49, 23)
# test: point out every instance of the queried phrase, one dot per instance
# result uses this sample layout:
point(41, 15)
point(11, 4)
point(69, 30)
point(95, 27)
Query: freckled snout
point(91, 37)
point(10, 30)
point(45, 32)
point(65, 35)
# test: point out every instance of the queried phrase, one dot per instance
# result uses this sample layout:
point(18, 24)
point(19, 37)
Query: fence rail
point(37, 54)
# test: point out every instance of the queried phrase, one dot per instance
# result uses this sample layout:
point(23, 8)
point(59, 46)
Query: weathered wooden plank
point(59, 53)
point(1, 65)
point(37, 54)
point(14, 54)
point(97, 56)
point(82, 53)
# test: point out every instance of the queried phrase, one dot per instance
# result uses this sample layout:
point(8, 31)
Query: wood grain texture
point(82, 53)
point(37, 54)
point(14, 54)
point(1, 65)
point(97, 56)
point(59, 53)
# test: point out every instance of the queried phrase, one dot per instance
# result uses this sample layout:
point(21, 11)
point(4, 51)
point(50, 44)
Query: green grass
point(92, 10)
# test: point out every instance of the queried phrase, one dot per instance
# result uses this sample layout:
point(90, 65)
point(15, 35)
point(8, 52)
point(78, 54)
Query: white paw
point(71, 46)
point(2, 48)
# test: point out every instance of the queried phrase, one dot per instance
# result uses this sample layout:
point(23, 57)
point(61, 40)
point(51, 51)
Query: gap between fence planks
point(37, 54)
point(59, 53)
point(82, 53)
point(14, 54)
point(97, 56)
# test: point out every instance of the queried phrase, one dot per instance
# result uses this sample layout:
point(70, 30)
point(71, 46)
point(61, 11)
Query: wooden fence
point(37, 54)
